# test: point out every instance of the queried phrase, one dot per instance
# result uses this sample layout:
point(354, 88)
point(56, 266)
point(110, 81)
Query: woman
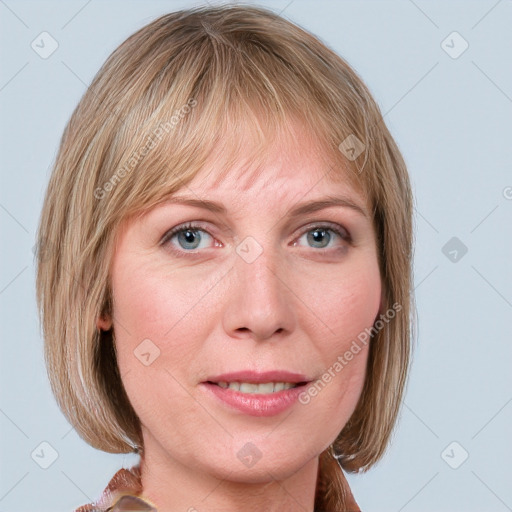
point(230, 293)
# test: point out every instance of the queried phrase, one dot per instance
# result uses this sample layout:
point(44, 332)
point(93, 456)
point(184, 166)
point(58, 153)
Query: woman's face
point(266, 284)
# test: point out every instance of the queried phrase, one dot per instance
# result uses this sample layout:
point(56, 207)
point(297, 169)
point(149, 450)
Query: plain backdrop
point(440, 70)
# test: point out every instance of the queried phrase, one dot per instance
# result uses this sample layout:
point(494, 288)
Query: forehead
point(292, 164)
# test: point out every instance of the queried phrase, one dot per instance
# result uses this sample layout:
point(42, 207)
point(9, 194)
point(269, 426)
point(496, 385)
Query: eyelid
point(192, 225)
point(339, 229)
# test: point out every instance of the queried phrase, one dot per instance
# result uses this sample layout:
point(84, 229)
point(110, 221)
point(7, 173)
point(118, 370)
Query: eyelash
point(338, 230)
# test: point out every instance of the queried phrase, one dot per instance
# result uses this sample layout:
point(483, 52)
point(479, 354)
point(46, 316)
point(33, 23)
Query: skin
point(296, 307)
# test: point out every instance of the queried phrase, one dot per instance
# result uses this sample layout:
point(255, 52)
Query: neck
point(174, 487)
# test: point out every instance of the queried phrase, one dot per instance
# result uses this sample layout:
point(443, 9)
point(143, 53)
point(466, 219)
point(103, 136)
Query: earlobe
point(104, 323)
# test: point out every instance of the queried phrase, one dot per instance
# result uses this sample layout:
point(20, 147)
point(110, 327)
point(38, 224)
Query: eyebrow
point(302, 209)
point(326, 202)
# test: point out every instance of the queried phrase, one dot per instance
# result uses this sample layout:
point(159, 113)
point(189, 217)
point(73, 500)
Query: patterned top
point(121, 494)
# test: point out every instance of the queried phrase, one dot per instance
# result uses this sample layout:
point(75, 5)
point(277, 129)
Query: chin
point(260, 473)
point(259, 462)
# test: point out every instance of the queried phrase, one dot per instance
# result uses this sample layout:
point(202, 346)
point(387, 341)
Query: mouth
point(258, 383)
point(256, 393)
point(259, 388)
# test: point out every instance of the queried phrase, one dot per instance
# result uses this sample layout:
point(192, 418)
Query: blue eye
point(188, 237)
point(320, 237)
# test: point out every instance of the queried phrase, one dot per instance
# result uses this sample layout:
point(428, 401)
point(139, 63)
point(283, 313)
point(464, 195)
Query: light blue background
point(452, 121)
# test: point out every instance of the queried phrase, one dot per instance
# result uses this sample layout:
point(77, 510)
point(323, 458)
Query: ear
point(104, 323)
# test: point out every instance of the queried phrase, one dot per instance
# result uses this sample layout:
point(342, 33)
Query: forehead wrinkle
point(251, 160)
point(246, 150)
point(246, 162)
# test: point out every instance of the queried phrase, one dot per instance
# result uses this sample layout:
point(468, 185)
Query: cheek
point(155, 306)
point(347, 303)
point(152, 300)
point(156, 337)
point(348, 310)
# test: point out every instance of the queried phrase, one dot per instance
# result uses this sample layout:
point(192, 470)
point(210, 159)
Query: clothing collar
point(122, 494)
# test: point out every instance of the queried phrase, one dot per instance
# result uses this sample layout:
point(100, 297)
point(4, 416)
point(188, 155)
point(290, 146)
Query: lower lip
point(256, 404)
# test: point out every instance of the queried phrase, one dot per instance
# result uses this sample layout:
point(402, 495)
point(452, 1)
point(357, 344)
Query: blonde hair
point(166, 100)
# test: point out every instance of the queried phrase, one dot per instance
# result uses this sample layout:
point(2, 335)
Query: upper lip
point(259, 377)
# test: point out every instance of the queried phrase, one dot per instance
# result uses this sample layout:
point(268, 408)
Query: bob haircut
point(182, 89)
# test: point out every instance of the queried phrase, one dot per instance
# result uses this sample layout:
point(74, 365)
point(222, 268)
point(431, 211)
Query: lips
point(261, 388)
point(256, 393)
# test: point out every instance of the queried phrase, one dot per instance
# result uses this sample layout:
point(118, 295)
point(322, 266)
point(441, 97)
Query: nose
point(259, 302)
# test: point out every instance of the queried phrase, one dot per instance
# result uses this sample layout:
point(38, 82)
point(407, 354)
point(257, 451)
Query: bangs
point(236, 101)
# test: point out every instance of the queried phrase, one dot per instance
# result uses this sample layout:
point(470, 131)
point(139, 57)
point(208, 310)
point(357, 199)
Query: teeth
point(261, 388)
